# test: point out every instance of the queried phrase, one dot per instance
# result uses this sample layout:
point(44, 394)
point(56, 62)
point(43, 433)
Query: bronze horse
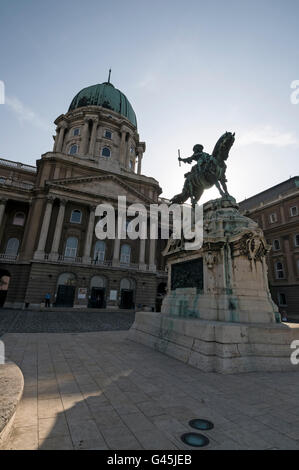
point(202, 177)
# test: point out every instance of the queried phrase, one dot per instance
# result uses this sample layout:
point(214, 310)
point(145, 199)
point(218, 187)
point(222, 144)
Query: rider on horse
point(208, 171)
point(203, 159)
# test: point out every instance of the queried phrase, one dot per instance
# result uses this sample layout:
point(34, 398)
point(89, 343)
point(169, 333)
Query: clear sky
point(191, 69)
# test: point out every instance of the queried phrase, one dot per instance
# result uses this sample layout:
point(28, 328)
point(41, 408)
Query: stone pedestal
point(218, 314)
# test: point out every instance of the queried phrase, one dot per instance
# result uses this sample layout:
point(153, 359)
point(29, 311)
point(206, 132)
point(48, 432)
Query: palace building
point(47, 214)
point(276, 210)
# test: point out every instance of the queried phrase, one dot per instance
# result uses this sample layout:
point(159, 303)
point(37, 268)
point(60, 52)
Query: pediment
point(108, 186)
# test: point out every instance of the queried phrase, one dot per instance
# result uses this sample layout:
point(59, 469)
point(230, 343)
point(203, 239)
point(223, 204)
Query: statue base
point(218, 314)
point(214, 346)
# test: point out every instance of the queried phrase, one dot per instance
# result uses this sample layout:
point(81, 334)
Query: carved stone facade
point(234, 270)
point(47, 219)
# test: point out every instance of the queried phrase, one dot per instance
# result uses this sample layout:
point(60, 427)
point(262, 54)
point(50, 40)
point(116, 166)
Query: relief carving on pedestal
point(254, 246)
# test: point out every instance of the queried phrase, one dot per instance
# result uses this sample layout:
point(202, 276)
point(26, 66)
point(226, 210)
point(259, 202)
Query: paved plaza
point(98, 390)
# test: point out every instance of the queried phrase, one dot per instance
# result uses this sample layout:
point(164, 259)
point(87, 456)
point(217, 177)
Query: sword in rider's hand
point(179, 159)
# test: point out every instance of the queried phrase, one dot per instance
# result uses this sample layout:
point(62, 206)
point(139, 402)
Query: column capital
point(63, 125)
point(63, 201)
point(125, 129)
point(3, 200)
point(92, 207)
point(50, 199)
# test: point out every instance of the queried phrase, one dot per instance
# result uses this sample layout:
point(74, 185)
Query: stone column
point(56, 139)
point(152, 255)
point(58, 229)
point(63, 126)
point(56, 172)
point(115, 261)
point(93, 137)
point(89, 236)
point(140, 155)
point(116, 247)
point(127, 153)
point(3, 202)
point(84, 141)
point(142, 264)
point(68, 173)
point(40, 252)
point(122, 149)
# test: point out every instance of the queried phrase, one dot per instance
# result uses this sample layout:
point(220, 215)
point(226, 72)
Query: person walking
point(47, 299)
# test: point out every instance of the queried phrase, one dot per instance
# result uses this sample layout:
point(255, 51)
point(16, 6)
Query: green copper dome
point(107, 96)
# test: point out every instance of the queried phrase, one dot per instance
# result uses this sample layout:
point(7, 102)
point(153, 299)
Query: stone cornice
point(86, 179)
point(90, 166)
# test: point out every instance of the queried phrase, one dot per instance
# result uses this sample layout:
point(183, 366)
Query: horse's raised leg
point(224, 187)
point(219, 188)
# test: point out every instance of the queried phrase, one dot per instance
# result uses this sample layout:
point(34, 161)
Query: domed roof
point(107, 96)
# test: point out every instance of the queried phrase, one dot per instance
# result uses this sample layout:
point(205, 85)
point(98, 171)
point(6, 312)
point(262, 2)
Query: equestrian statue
point(208, 170)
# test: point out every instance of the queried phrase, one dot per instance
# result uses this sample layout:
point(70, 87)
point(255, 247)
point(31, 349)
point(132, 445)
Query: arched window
point(73, 149)
point(98, 281)
point(76, 216)
point(19, 219)
point(127, 284)
point(71, 247)
point(279, 270)
point(125, 254)
point(99, 251)
point(12, 247)
point(106, 152)
point(66, 279)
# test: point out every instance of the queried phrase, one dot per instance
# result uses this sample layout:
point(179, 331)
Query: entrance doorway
point(127, 299)
point(97, 298)
point(4, 283)
point(66, 286)
point(65, 296)
point(127, 293)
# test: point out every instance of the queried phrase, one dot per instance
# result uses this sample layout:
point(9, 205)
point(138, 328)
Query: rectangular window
point(108, 134)
point(273, 217)
point(279, 270)
point(296, 239)
point(282, 299)
point(293, 211)
point(77, 131)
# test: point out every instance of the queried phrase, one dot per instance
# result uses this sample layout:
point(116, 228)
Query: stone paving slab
point(99, 390)
point(57, 321)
